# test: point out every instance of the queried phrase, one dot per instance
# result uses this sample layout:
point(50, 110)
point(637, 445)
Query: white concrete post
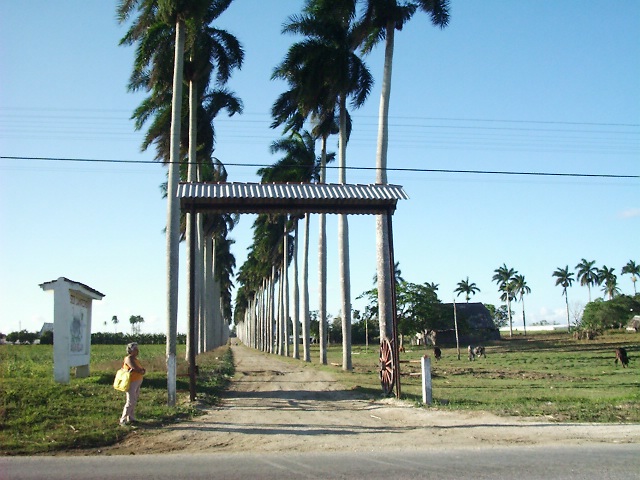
point(426, 380)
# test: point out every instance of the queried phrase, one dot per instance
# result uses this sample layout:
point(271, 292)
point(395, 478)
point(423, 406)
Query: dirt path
point(275, 406)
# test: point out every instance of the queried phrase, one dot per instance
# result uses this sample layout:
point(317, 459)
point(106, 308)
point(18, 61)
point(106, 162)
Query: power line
point(415, 170)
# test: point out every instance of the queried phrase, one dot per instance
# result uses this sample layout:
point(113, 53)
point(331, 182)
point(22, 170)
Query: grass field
point(38, 415)
point(545, 375)
point(550, 375)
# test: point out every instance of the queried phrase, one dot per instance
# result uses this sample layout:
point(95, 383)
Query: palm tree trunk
point(385, 309)
point(322, 264)
point(509, 314)
point(345, 282)
point(383, 115)
point(173, 216)
point(279, 315)
point(343, 244)
point(385, 313)
point(192, 288)
point(306, 320)
point(200, 283)
point(208, 292)
point(285, 292)
point(296, 294)
point(273, 333)
point(218, 321)
point(524, 319)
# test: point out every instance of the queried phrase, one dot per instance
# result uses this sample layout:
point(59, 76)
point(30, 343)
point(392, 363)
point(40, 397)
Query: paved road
point(601, 462)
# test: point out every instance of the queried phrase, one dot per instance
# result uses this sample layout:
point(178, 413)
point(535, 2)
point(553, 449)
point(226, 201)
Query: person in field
point(137, 373)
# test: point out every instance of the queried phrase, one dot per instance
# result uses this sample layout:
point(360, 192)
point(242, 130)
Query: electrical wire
point(416, 170)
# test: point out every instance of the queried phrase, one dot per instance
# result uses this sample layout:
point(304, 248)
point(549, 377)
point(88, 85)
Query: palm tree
point(609, 280)
point(520, 289)
point(158, 28)
point(503, 276)
point(467, 288)
point(587, 274)
point(328, 66)
point(151, 16)
point(209, 50)
point(115, 322)
point(382, 18)
point(306, 99)
point(634, 270)
point(564, 278)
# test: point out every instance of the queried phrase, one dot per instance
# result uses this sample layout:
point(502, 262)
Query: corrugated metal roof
point(290, 197)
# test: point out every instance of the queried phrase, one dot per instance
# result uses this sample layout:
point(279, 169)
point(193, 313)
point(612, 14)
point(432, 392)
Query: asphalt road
point(600, 462)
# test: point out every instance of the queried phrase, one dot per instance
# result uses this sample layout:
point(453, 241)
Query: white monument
point(71, 326)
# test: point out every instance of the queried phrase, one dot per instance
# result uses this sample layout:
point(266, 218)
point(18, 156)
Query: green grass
point(550, 376)
point(38, 415)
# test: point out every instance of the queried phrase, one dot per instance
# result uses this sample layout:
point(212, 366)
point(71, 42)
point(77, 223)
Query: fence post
point(426, 380)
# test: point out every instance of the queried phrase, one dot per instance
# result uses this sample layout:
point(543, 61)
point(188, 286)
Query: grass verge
point(38, 415)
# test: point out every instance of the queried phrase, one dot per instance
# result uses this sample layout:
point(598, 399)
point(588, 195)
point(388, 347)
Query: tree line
point(513, 287)
point(98, 338)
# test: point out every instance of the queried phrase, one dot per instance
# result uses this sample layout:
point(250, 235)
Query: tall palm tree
point(521, 289)
point(634, 270)
point(587, 274)
point(210, 51)
point(466, 287)
point(306, 99)
point(158, 28)
point(154, 16)
point(609, 281)
point(503, 276)
point(564, 278)
point(382, 18)
point(329, 67)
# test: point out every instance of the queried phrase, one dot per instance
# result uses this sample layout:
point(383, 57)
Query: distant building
point(475, 326)
point(46, 327)
point(634, 324)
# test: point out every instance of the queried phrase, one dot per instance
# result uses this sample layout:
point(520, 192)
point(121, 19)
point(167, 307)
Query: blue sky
point(527, 86)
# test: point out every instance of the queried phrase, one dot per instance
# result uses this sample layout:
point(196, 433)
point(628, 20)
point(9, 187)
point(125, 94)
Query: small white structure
point(71, 326)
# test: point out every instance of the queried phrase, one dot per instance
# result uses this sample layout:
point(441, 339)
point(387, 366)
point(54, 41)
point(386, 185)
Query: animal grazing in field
point(476, 352)
point(437, 353)
point(621, 355)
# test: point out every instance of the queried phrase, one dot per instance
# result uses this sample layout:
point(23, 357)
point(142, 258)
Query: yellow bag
point(122, 380)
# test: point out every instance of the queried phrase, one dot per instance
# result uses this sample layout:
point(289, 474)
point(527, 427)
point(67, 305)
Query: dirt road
point(275, 406)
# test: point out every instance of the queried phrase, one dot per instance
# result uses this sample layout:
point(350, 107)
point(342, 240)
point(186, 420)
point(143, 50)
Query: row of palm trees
point(324, 73)
point(513, 286)
point(591, 276)
point(177, 45)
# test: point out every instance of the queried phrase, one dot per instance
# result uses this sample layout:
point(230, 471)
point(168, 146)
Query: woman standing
point(137, 373)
